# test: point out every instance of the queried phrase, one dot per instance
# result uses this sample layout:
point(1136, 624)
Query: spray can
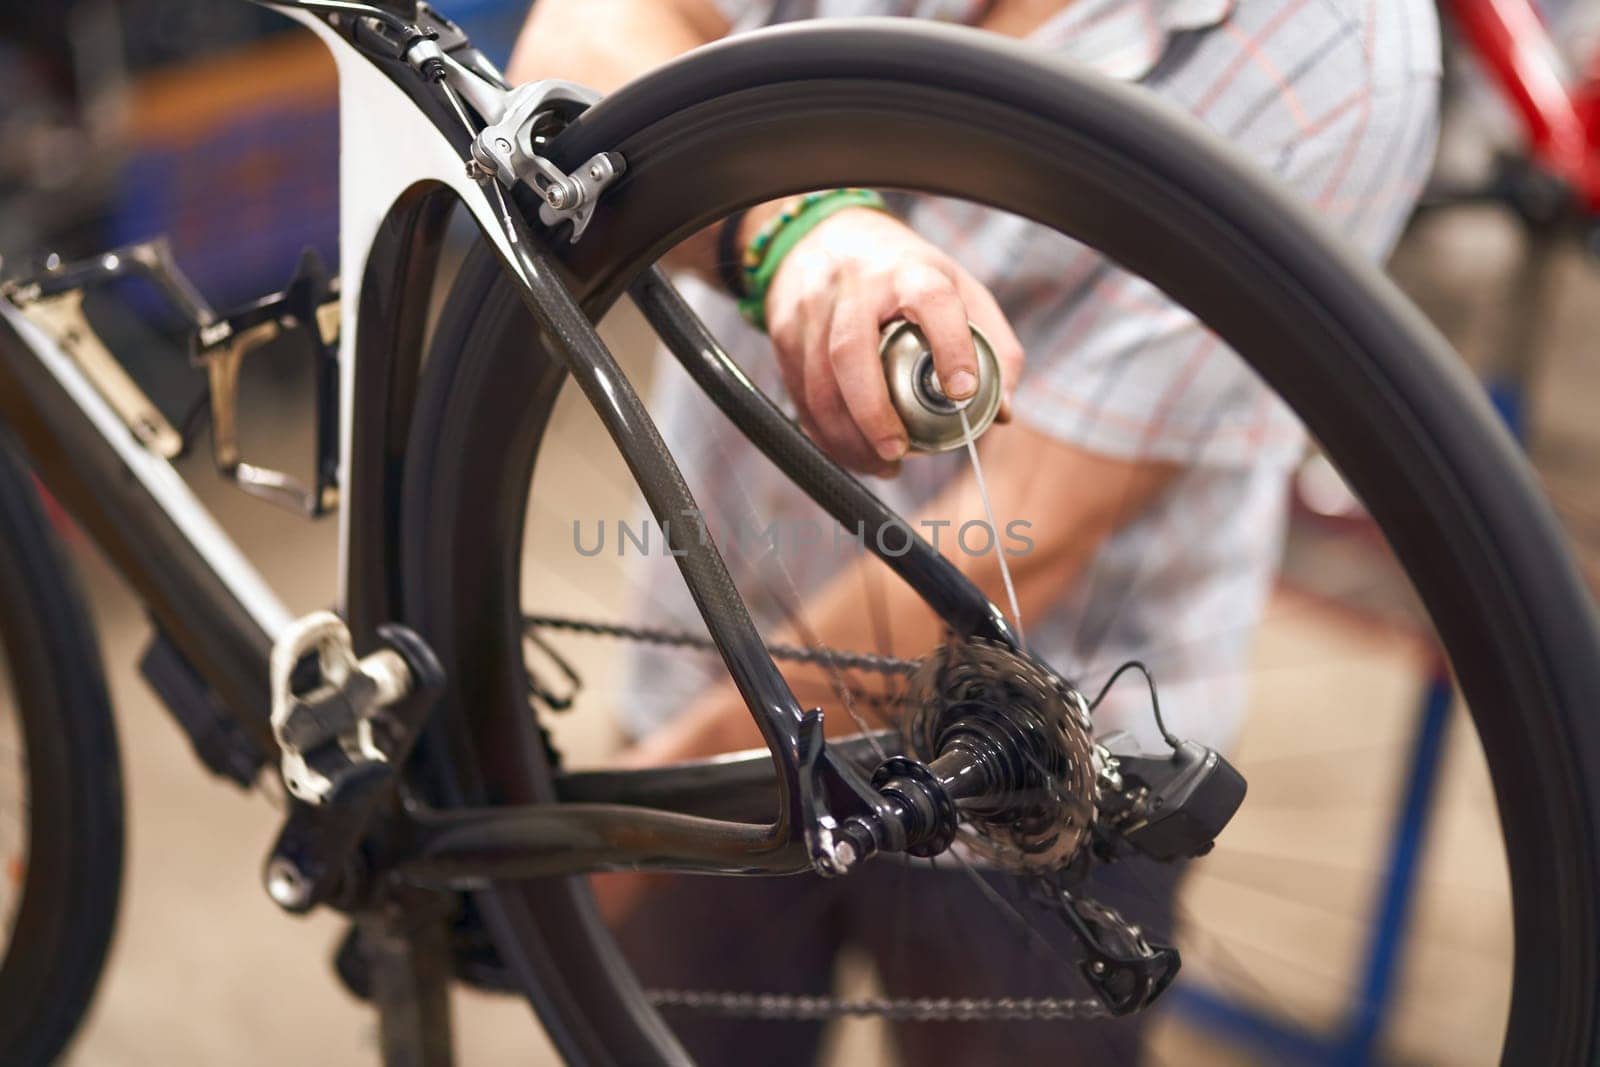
point(933, 420)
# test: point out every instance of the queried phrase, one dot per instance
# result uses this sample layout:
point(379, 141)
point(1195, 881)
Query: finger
point(793, 332)
point(929, 298)
point(820, 397)
point(852, 352)
point(986, 314)
point(873, 466)
point(836, 431)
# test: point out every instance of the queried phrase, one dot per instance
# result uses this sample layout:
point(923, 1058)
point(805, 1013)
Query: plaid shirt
point(1336, 98)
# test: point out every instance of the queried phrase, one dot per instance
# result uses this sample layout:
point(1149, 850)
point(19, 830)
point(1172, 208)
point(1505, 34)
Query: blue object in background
point(492, 24)
point(1358, 1041)
point(240, 201)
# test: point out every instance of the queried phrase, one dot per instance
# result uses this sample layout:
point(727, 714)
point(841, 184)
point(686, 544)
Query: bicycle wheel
point(60, 788)
point(816, 107)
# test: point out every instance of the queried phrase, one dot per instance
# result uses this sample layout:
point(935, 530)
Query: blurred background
point(124, 119)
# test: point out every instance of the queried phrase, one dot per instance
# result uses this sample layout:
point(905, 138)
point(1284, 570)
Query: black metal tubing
point(569, 334)
point(951, 594)
point(710, 816)
point(189, 601)
point(466, 848)
point(739, 786)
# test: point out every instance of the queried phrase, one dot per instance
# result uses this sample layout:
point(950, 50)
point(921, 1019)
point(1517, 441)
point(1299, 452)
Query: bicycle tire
point(73, 876)
point(881, 104)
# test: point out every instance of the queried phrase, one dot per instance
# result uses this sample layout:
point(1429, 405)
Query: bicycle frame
point(404, 167)
point(1561, 122)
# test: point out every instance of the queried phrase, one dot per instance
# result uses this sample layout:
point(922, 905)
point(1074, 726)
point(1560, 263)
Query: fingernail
point(892, 448)
point(961, 385)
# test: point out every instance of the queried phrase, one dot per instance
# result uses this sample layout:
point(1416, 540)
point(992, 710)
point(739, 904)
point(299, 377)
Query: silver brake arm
point(507, 150)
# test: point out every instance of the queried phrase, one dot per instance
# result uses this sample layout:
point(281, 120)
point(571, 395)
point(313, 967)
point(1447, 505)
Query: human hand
point(856, 271)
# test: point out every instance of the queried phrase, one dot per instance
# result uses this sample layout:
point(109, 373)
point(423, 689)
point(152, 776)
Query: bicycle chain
point(861, 661)
point(789, 1007)
point(803, 1008)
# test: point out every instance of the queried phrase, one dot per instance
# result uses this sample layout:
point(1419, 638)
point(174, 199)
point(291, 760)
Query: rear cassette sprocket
point(1040, 827)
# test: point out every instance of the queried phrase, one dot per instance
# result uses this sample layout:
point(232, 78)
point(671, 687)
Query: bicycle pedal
point(342, 740)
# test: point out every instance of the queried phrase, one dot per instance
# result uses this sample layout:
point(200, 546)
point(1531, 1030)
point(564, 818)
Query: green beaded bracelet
point(779, 235)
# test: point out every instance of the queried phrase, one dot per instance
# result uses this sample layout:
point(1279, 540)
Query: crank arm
point(343, 750)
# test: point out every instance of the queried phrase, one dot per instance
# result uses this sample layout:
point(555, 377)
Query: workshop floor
point(205, 970)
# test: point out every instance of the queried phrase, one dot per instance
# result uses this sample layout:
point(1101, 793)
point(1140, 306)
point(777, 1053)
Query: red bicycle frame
point(1560, 120)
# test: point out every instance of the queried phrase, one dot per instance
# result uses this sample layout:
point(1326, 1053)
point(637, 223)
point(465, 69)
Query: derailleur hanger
point(835, 848)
